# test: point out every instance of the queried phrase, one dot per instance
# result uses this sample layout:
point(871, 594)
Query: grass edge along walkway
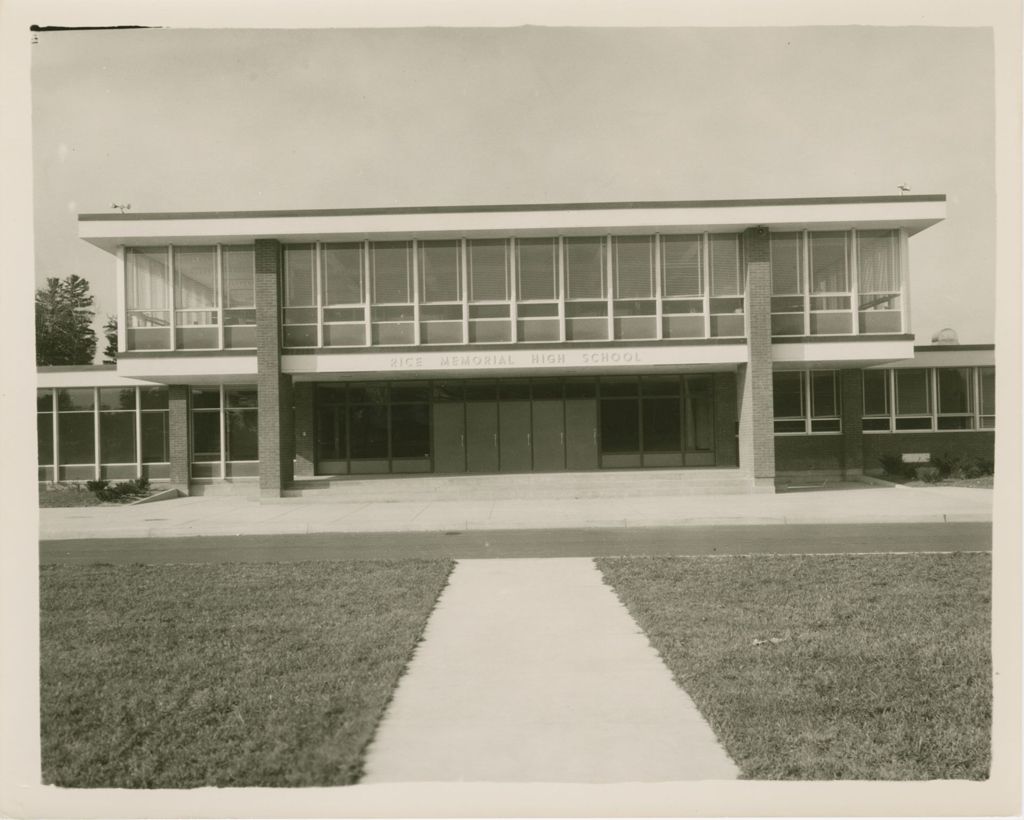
point(180, 676)
point(873, 667)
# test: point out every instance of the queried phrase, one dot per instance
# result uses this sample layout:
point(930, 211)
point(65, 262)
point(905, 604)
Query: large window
point(829, 283)
point(727, 285)
point(586, 292)
point(344, 293)
point(787, 284)
point(634, 306)
point(97, 432)
point(489, 290)
point(299, 296)
point(538, 292)
point(928, 399)
point(440, 275)
point(806, 402)
point(682, 286)
point(225, 431)
point(211, 289)
point(878, 282)
point(392, 313)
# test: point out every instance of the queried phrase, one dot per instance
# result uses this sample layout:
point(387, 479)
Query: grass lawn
point(66, 495)
point(880, 669)
point(223, 674)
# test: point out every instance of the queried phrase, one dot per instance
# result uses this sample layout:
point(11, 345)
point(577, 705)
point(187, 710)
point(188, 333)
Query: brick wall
point(302, 396)
point(754, 380)
point(809, 454)
point(726, 453)
point(273, 388)
point(975, 443)
point(851, 396)
point(178, 436)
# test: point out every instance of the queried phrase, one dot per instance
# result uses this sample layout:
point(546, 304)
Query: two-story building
point(757, 336)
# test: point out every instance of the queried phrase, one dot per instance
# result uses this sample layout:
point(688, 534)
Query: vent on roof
point(946, 336)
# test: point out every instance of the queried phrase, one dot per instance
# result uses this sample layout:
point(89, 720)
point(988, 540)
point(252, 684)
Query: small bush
point(986, 466)
point(893, 465)
point(929, 474)
point(120, 492)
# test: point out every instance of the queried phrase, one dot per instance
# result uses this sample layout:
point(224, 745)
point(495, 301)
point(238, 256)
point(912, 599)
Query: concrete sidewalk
point(227, 515)
point(532, 671)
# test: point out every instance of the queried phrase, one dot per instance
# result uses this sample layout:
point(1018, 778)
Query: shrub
point(96, 486)
point(122, 491)
point(929, 474)
point(893, 465)
point(986, 466)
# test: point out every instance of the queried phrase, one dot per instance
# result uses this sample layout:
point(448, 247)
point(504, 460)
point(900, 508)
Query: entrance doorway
point(515, 425)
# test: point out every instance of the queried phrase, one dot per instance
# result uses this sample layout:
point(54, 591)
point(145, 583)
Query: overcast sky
point(194, 120)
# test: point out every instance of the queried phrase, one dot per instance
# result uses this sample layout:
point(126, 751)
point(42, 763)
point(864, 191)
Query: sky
point(198, 120)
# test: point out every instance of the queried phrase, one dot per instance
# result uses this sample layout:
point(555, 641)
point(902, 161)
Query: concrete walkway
point(532, 671)
point(228, 515)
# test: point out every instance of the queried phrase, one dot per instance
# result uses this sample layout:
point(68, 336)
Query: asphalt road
point(765, 539)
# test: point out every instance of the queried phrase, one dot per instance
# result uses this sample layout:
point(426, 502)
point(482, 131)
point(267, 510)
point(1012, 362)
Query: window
point(876, 400)
point(489, 290)
point(299, 296)
point(537, 290)
point(829, 283)
point(633, 285)
point(913, 399)
point(727, 285)
point(955, 393)
point(233, 410)
point(195, 297)
point(440, 274)
point(117, 425)
point(878, 282)
point(787, 284)
point(682, 287)
point(987, 392)
point(147, 299)
point(392, 312)
point(806, 402)
point(238, 264)
point(155, 434)
point(344, 294)
point(206, 439)
point(44, 433)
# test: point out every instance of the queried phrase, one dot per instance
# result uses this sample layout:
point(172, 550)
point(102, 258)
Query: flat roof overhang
point(912, 213)
point(841, 352)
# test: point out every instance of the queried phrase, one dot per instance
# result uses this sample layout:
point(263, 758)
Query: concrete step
point(605, 484)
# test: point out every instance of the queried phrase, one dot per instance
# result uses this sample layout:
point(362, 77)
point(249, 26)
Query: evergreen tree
point(64, 315)
point(110, 333)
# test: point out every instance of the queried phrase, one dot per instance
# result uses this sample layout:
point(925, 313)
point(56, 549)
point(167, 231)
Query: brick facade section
point(810, 454)
point(178, 436)
point(305, 456)
point(975, 443)
point(754, 379)
point(273, 387)
point(726, 454)
point(851, 398)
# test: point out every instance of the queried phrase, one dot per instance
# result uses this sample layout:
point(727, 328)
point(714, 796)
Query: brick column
point(273, 387)
point(851, 393)
point(302, 393)
point(725, 420)
point(754, 379)
point(178, 435)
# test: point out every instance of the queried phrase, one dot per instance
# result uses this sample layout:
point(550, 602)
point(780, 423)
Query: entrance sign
point(508, 359)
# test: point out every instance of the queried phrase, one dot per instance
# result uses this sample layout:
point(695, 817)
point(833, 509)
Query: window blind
point(488, 270)
point(299, 289)
point(391, 273)
point(440, 270)
point(147, 279)
point(787, 278)
point(537, 269)
point(634, 267)
point(725, 264)
point(682, 266)
point(585, 268)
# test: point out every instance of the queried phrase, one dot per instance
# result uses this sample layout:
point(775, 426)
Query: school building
point(754, 338)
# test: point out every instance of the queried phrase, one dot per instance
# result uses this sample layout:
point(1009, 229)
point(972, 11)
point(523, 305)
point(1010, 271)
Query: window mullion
point(138, 432)
point(560, 285)
point(854, 283)
point(318, 293)
point(933, 387)
point(805, 277)
point(610, 285)
point(415, 292)
point(513, 287)
point(658, 311)
point(706, 281)
point(223, 436)
point(463, 259)
point(55, 434)
point(96, 431)
point(367, 301)
point(170, 301)
point(219, 297)
point(122, 302)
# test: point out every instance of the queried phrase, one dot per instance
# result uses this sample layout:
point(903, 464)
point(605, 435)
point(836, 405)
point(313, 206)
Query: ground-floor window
point(85, 433)
point(806, 402)
point(515, 425)
point(929, 399)
point(225, 431)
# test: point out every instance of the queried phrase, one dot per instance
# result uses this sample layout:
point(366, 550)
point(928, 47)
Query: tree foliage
point(110, 333)
point(64, 315)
